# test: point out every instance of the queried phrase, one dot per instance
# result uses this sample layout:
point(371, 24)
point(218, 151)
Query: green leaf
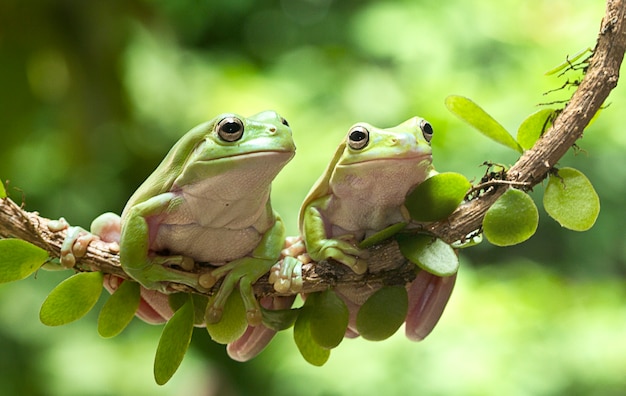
point(570, 61)
point(431, 255)
point(279, 319)
point(19, 259)
point(199, 305)
point(382, 235)
point(174, 343)
point(571, 200)
point(533, 127)
point(383, 313)
point(233, 323)
point(311, 351)
point(512, 219)
point(437, 197)
point(177, 300)
point(474, 115)
point(71, 299)
point(3, 192)
point(328, 318)
point(119, 309)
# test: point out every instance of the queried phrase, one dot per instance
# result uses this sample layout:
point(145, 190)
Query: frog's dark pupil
point(427, 128)
point(231, 127)
point(284, 122)
point(357, 136)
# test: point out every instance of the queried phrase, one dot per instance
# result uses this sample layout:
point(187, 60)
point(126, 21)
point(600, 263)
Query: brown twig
point(387, 266)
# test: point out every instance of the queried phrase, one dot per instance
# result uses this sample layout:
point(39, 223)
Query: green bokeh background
point(94, 93)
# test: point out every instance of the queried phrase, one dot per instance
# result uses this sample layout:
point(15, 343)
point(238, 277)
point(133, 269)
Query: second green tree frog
point(363, 191)
point(364, 188)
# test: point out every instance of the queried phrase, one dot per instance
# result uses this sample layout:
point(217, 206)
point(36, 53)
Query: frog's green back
point(322, 185)
point(162, 179)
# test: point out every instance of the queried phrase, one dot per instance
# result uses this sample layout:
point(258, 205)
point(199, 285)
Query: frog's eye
point(230, 129)
point(358, 137)
point(283, 121)
point(427, 130)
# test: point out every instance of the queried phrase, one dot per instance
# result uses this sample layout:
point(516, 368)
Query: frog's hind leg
point(243, 273)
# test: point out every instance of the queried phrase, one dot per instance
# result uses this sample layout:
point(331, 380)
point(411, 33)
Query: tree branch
point(387, 266)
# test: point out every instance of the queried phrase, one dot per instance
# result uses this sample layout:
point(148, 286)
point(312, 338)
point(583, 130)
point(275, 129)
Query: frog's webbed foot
point(105, 227)
point(342, 250)
point(75, 243)
point(286, 275)
point(294, 247)
point(243, 273)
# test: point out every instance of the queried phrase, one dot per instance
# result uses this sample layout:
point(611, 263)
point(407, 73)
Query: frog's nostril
point(272, 130)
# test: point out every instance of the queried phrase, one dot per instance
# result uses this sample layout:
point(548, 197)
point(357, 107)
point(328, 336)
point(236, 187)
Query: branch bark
point(387, 266)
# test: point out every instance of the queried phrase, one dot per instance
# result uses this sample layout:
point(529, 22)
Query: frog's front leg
point(320, 246)
point(151, 271)
point(244, 272)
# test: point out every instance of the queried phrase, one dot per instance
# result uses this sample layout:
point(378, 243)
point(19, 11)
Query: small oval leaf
point(199, 305)
point(174, 343)
point(533, 127)
point(383, 313)
point(571, 200)
point(470, 112)
point(279, 319)
point(431, 255)
point(309, 349)
point(328, 318)
point(437, 197)
point(382, 235)
point(19, 259)
point(119, 309)
point(512, 219)
point(233, 323)
point(71, 299)
point(3, 192)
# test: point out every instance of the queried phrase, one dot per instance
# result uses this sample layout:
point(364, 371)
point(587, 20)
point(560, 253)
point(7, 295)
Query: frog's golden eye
point(358, 137)
point(427, 130)
point(230, 129)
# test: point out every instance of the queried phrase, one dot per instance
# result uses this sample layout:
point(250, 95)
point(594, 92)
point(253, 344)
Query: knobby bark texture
point(387, 265)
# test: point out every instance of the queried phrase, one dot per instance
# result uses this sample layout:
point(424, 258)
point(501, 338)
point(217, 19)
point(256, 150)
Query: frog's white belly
point(215, 246)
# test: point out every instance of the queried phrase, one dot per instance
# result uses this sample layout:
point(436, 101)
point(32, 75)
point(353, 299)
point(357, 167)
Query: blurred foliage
point(94, 93)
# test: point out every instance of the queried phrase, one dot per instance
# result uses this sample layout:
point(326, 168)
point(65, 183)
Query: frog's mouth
point(409, 157)
point(266, 155)
point(251, 169)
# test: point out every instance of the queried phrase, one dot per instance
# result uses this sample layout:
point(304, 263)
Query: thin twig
point(387, 266)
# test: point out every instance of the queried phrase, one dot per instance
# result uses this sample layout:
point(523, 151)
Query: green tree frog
point(361, 192)
point(208, 202)
point(364, 188)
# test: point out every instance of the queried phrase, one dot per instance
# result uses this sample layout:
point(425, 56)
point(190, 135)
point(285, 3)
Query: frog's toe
point(187, 263)
point(286, 275)
point(360, 266)
point(274, 274)
point(294, 246)
point(68, 260)
point(254, 316)
point(58, 225)
point(213, 314)
point(207, 280)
